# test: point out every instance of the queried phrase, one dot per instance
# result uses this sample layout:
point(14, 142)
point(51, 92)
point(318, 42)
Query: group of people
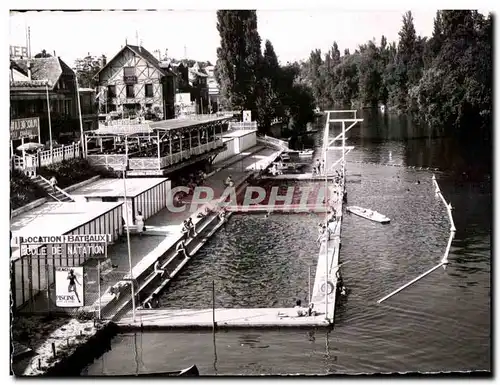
point(191, 182)
point(319, 167)
point(324, 233)
point(229, 182)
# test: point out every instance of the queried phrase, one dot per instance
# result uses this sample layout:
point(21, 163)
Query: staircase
point(58, 195)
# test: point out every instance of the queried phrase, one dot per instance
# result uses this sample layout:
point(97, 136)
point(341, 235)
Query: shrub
point(23, 190)
point(72, 171)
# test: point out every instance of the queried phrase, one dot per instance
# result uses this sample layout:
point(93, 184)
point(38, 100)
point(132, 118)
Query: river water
point(441, 323)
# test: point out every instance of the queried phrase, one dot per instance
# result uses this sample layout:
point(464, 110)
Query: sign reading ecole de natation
point(69, 280)
point(22, 128)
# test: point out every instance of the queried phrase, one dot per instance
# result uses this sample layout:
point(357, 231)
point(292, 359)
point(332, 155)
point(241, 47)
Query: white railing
point(151, 163)
point(58, 154)
point(115, 161)
point(274, 141)
point(46, 158)
point(242, 126)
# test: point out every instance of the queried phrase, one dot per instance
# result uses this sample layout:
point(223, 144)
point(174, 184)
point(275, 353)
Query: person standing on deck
point(185, 230)
point(139, 221)
point(317, 167)
point(191, 227)
point(323, 166)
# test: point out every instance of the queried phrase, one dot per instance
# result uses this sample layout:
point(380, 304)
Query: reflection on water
point(440, 323)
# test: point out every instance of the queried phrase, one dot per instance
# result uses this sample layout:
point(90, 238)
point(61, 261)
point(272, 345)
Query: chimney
point(54, 53)
point(28, 65)
point(104, 61)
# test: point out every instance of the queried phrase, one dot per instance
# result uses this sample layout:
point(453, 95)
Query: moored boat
point(302, 154)
point(368, 214)
point(192, 371)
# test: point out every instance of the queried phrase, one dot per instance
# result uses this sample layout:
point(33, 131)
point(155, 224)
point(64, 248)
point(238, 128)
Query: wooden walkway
point(224, 318)
point(328, 260)
point(301, 177)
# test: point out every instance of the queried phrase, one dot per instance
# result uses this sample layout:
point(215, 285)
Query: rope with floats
point(444, 260)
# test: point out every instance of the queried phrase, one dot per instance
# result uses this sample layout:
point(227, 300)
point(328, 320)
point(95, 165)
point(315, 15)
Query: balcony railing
point(153, 163)
point(45, 158)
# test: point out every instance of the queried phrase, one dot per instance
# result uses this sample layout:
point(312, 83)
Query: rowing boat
point(192, 371)
point(368, 214)
point(302, 154)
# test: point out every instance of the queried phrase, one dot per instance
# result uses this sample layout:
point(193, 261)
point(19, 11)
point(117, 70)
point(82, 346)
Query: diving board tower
point(325, 287)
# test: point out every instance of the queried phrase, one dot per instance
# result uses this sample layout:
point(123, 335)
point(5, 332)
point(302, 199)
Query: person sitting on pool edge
point(301, 312)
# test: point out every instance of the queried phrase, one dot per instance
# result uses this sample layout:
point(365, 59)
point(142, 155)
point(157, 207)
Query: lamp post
point(128, 245)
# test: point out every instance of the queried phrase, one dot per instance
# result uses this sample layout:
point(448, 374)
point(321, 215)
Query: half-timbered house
point(133, 82)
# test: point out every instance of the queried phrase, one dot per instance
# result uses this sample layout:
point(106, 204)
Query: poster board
point(247, 116)
point(69, 290)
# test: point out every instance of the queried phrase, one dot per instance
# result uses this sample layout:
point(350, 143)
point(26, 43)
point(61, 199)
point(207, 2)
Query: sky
point(293, 33)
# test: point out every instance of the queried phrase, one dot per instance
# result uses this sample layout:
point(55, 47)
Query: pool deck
point(224, 318)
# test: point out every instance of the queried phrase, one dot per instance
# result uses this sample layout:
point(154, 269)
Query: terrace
point(154, 147)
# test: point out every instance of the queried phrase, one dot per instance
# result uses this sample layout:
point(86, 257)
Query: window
point(111, 91)
point(149, 90)
point(67, 107)
point(130, 91)
point(128, 71)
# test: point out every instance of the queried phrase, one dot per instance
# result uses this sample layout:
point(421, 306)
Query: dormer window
point(128, 71)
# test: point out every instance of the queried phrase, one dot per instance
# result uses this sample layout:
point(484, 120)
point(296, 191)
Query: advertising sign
point(69, 286)
point(22, 128)
point(247, 116)
point(17, 52)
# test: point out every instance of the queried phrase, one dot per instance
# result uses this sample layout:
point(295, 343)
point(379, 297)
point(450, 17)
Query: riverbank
point(59, 346)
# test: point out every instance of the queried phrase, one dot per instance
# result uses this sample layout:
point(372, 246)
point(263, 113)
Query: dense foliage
point(252, 80)
point(444, 81)
point(23, 190)
point(86, 68)
point(71, 171)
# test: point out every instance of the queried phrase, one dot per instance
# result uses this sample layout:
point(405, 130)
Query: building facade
point(213, 89)
point(133, 82)
point(30, 81)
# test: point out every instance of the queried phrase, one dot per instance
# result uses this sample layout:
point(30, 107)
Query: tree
point(86, 68)
point(238, 58)
point(268, 100)
point(42, 54)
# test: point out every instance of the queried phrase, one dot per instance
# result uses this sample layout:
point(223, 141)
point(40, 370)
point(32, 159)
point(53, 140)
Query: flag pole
point(50, 123)
point(82, 137)
point(128, 244)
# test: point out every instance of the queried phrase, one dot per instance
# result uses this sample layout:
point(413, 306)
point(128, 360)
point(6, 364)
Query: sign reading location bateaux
point(69, 286)
point(22, 128)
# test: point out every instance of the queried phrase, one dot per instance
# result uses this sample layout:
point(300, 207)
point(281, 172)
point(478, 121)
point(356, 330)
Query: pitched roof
point(142, 52)
point(48, 68)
